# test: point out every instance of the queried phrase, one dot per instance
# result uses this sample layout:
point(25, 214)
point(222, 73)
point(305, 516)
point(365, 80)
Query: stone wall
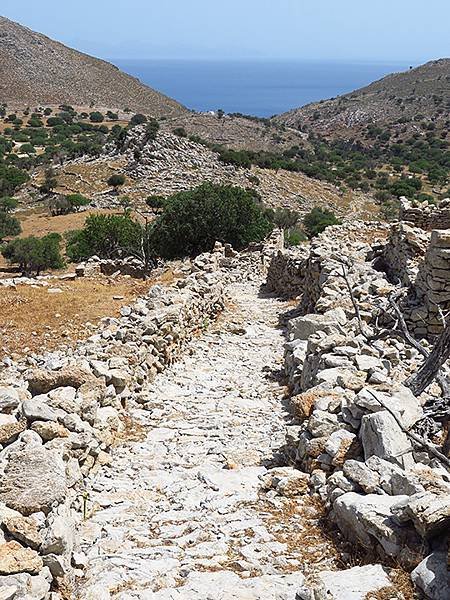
point(404, 252)
point(426, 216)
point(432, 286)
point(61, 412)
point(353, 411)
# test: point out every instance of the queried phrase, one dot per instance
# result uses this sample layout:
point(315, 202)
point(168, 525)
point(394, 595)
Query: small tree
point(49, 183)
point(107, 236)
point(9, 226)
point(34, 254)
point(116, 181)
point(317, 220)
point(96, 117)
point(192, 221)
point(138, 119)
point(77, 201)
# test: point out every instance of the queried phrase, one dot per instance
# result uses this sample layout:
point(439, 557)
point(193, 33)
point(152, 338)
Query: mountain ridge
point(402, 95)
point(36, 69)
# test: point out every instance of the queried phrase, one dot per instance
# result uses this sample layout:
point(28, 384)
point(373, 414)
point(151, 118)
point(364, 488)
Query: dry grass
point(298, 524)
point(34, 320)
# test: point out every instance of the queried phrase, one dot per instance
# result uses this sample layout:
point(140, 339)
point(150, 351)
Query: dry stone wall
point(426, 216)
point(353, 411)
point(60, 413)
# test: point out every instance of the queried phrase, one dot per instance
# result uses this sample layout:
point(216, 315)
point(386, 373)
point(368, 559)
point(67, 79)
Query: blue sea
point(260, 88)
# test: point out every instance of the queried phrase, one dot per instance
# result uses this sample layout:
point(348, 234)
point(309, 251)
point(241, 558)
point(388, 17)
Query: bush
point(96, 117)
point(294, 237)
point(115, 181)
point(106, 236)
point(317, 220)
point(9, 226)
point(192, 221)
point(8, 204)
point(138, 120)
point(152, 129)
point(11, 178)
point(180, 132)
point(34, 254)
point(155, 202)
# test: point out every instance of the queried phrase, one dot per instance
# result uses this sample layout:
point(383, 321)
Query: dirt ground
point(36, 319)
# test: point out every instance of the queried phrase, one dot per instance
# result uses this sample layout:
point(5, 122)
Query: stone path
point(179, 515)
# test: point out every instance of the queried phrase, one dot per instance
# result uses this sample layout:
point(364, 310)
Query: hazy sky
point(384, 30)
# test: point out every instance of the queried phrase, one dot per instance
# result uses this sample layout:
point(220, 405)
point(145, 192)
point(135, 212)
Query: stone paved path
point(178, 515)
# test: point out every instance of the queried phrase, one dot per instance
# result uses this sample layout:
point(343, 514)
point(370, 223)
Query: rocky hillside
point(170, 164)
point(421, 93)
point(37, 70)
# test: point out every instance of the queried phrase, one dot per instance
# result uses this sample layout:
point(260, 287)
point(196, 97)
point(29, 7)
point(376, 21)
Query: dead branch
point(432, 365)
point(344, 275)
point(416, 438)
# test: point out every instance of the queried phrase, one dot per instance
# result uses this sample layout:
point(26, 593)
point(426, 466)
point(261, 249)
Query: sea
point(259, 88)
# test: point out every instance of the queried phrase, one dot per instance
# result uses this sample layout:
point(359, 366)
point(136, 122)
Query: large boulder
point(367, 519)
point(34, 480)
point(381, 436)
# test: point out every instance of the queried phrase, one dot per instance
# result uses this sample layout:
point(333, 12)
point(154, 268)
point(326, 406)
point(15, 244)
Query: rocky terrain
point(423, 91)
point(36, 70)
point(170, 164)
point(277, 447)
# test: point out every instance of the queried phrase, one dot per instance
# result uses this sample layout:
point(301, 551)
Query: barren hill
point(35, 69)
point(422, 92)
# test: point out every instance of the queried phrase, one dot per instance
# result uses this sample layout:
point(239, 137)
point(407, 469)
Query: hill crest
point(34, 69)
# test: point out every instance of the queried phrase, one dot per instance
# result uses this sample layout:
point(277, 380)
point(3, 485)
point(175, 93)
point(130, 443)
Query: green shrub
point(34, 254)
point(96, 117)
point(317, 220)
point(138, 120)
point(294, 237)
point(106, 236)
point(155, 202)
point(180, 132)
point(9, 226)
point(8, 204)
point(11, 178)
point(192, 221)
point(115, 181)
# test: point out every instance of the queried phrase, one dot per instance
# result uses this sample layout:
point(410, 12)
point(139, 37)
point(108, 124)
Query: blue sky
point(374, 30)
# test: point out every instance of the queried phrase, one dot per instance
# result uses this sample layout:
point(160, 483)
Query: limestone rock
point(357, 583)
point(9, 399)
point(36, 409)
point(14, 558)
point(41, 381)
point(10, 428)
point(365, 518)
point(430, 513)
point(432, 577)
point(25, 530)
point(34, 480)
point(49, 430)
point(381, 436)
